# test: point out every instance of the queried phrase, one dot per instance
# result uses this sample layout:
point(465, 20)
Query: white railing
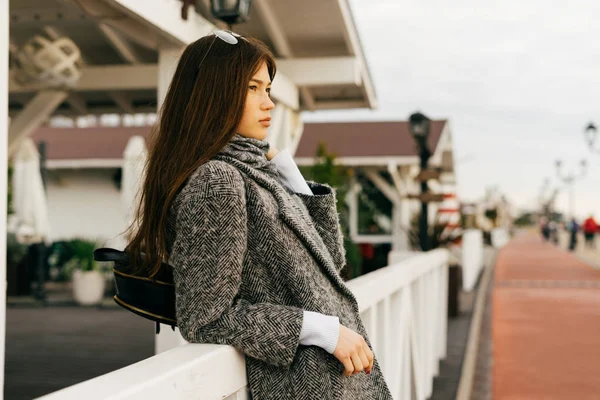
point(403, 306)
point(472, 258)
point(500, 237)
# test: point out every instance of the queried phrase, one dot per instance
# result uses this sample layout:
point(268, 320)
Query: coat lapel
point(297, 220)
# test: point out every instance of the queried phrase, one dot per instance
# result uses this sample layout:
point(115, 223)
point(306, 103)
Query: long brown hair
point(201, 111)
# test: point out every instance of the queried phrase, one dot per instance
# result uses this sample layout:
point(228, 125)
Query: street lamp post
point(569, 179)
point(419, 128)
point(590, 136)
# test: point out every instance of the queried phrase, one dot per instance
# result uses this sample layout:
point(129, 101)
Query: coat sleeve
point(207, 256)
point(323, 212)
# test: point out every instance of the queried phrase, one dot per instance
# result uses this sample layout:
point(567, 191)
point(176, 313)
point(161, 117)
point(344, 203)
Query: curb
point(465, 385)
point(30, 302)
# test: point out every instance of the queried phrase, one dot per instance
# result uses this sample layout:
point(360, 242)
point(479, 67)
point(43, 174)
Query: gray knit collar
point(250, 151)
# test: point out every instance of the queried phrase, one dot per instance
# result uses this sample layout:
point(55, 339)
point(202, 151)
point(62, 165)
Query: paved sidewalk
point(583, 252)
point(445, 385)
point(545, 323)
point(50, 348)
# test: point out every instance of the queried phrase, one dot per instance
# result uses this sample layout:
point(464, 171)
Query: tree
point(325, 171)
point(440, 235)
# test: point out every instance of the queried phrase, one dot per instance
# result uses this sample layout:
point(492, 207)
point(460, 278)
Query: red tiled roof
point(364, 139)
point(87, 143)
point(345, 139)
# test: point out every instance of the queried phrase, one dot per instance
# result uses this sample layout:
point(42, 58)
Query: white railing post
point(472, 258)
point(500, 237)
point(385, 337)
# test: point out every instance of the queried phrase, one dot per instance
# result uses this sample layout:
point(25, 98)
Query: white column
point(3, 177)
point(167, 62)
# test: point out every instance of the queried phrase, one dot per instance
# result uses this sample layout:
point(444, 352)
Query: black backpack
point(153, 299)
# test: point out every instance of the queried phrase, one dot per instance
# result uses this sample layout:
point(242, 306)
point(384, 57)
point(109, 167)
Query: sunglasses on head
point(226, 36)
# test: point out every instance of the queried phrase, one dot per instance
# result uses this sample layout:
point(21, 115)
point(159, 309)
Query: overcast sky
point(517, 79)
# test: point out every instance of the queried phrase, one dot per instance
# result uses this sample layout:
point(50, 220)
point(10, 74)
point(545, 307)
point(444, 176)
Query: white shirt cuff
point(289, 172)
point(320, 330)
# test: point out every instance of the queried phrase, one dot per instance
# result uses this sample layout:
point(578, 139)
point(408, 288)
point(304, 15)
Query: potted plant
point(89, 282)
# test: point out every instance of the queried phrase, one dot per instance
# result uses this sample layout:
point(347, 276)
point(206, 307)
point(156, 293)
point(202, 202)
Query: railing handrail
point(193, 367)
point(373, 287)
point(166, 374)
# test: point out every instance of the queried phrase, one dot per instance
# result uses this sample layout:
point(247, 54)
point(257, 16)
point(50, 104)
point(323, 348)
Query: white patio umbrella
point(135, 156)
point(29, 197)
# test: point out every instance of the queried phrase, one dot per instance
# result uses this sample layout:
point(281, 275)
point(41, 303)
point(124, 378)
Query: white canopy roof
point(320, 59)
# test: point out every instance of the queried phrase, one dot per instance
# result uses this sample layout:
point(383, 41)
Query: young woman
point(256, 250)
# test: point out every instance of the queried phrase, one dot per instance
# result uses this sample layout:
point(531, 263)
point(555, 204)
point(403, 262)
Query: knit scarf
point(252, 152)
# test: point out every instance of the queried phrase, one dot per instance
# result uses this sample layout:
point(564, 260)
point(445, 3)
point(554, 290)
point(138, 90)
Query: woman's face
point(256, 118)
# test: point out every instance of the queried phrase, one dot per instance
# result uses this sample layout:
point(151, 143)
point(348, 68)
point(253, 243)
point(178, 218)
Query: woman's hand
point(353, 352)
point(272, 153)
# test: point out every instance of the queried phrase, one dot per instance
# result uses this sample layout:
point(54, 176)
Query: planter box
point(88, 287)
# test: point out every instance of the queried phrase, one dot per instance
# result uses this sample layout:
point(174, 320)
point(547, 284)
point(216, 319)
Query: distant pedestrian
point(545, 228)
point(590, 227)
point(553, 228)
point(573, 229)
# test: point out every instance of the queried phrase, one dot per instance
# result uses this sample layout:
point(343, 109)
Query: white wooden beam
point(388, 190)
point(354, 46)
point(52, 32)
point(307, 98)
point(143, 77)
point(5, 47)
point(78, 103)
point(123, 100)
point(322, 71)
point(280, 42)
point(163, 18)
point(33, 115)
point(336, 105)
point(133, 29)
point(285, 91)
point(373, 239)
point(273, 27)
point(99, 111)
point(104, 78)
point(400, 184)
point(125, 50)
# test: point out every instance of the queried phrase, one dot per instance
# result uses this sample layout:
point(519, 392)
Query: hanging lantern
point(51, 63)
point(231, 11)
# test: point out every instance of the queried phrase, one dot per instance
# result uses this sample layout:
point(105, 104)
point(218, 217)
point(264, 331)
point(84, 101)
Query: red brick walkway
point(546, 324)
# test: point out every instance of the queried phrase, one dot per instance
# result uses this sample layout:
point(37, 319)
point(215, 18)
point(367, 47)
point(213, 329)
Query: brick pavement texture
point(545, 336)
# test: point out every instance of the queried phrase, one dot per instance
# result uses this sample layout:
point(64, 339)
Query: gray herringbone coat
point(248, 258)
